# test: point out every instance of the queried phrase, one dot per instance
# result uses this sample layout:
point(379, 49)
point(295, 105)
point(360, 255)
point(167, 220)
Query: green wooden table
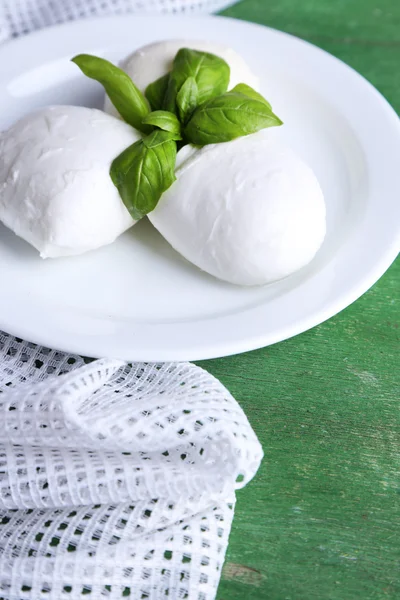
point(322, 518)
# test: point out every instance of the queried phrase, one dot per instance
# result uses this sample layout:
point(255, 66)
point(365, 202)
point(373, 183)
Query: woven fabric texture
point(22, 16)
point(115, 480)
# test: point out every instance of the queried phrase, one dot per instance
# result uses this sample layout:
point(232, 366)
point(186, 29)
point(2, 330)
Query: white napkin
point(115, 480)
point(22, 16)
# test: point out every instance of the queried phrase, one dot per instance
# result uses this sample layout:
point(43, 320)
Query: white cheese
point(248, 211)
point(155, 60)
point(55, 188)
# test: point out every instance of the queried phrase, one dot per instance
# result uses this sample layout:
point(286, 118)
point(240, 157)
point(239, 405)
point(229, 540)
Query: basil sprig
point(123, 93)
point(210, 72)
point(190, 104)
point(144, 171)
point(243, 88)
point(187, 99)
point(166, 121)
point(228, 117)
point(155, 92)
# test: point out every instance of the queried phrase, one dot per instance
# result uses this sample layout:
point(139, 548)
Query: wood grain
point(322, 518)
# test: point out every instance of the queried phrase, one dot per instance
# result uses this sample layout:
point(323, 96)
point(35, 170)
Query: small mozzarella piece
point(248, 211)
point(55, 188)
point(151, 62)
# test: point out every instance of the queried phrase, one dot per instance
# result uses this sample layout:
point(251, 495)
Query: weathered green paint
point(322, 518)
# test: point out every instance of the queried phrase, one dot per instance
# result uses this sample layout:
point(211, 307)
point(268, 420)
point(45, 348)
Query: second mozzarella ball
point(149, 63)
point(248, 211)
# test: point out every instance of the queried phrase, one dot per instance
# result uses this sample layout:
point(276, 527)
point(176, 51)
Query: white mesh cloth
point(116, 480)
point(22, 16)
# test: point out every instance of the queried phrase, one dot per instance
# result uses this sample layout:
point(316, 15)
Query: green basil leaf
point(166, 121)
point(187, 99)
point(144, 171)
point(123, 93)
point(227, 117)
point(243, 88)
point(210, 72)
point(155, 92)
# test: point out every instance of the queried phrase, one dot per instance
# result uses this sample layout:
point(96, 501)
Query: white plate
point(138, 299)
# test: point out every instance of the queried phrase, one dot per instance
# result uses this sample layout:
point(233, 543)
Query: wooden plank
point(322, 518)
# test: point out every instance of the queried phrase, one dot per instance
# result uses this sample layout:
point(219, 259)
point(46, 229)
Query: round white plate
point(138, 299)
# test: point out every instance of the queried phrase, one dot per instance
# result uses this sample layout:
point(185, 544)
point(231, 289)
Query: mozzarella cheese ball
point(151, 62)
point(55, 187)
point(248, 211)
